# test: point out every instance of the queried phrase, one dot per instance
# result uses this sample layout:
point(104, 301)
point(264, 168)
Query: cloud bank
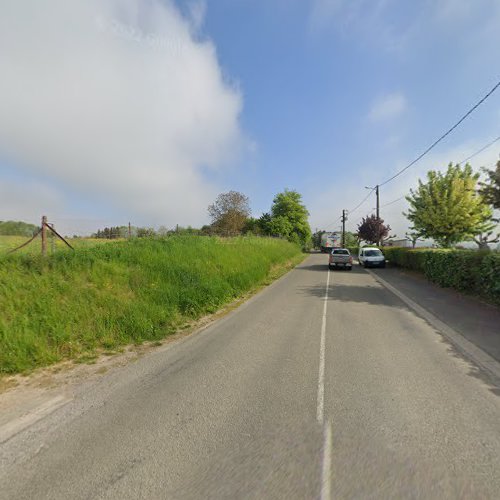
point(121, 100)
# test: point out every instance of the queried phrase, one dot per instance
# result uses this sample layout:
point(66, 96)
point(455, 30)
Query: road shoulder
point(469, 324)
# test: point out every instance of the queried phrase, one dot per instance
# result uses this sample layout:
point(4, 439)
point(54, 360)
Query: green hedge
point(465, 270)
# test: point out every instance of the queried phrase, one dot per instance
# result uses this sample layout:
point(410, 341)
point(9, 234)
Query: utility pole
point(378, 201)
point(129, 231)
point(44, 235)
point(344, 218)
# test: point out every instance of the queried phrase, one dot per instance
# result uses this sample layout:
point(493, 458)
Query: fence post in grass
point(44, 235)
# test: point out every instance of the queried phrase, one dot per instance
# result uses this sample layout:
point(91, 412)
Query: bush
point(465, 270)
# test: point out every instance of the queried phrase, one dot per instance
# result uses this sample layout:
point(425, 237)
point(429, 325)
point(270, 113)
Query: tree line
point(17, 228)
point(119, 232)
point(230, 215)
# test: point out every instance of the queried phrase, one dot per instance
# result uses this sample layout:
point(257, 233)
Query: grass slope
point(72, 304)
point(8, 243)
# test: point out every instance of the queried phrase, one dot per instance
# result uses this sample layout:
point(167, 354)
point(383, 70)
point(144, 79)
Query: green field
point(72, 304)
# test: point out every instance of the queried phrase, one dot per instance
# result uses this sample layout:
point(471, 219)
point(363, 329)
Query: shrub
point(465, 270)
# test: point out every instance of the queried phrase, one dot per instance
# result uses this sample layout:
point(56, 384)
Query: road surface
point(324, 385)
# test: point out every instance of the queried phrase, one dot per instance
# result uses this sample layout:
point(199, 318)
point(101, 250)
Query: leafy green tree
point(289, 217)
point(17, 228)
point(281, 226)
point(447, 208)
point(373, 230)
point(265, 223)
point(145, 232)
point(490, 189)
point(206, 230)
point(252, 226)
point(351, 239)
point(229, 213)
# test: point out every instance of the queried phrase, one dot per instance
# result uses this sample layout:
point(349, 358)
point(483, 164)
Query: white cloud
point(197, 11)
point(117, 99)
point(364, 20)
point(387, 107)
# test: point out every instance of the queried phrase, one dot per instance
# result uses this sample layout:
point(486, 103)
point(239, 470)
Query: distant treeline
point(117, 232)
point(17, 228)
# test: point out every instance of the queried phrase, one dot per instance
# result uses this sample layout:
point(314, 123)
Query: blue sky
point(321, 96)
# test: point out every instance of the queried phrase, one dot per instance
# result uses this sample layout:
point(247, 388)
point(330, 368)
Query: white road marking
point(326, 476)
point(320, 410)
point(467, 348)
point(321, 378)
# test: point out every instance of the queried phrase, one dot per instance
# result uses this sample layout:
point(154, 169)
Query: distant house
point(405, 243)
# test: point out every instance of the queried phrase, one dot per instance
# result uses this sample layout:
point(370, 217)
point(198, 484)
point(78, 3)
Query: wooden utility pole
point(378, 201)
point(44, 235)
point(129, 231)
point(344, 218)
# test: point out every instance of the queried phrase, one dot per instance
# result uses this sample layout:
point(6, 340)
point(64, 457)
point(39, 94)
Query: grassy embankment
point(71, 305)
point(34, 248)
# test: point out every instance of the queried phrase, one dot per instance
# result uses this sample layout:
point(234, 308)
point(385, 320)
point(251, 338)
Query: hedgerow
point(465, 270)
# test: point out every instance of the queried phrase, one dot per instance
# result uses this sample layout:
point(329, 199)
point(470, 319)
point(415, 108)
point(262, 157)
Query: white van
point(371, 257)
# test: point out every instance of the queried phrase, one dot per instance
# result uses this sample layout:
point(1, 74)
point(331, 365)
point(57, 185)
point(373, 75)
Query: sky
point(145, 110)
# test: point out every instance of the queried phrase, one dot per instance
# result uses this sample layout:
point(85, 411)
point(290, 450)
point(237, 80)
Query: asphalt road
point(306, 391)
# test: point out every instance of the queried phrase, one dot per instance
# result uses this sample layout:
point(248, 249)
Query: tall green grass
point(71, 304)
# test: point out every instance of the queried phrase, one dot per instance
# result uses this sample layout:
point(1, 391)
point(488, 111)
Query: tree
point(351, 239)
point(413, 236)
point(265, 223)
point(490, 189)
point(447, 208)
point(145, 232)
point(281, 226)
point(17, 228)
point(483, 240)
point(289, 217)
point(372, 229)
point(229, 213)
point(252, 226)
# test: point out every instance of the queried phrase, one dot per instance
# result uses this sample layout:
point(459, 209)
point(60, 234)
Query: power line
point(334, 222)
point(448, 132)
point(361, 203)
point(480, 150)
point(393, 201)
point(432, 146)
point(349, 212)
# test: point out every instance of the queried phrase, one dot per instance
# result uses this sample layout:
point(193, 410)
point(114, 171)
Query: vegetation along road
point(324, 385)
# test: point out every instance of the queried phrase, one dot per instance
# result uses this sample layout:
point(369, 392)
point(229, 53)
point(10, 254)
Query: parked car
point(371, 257)
point(340, 258)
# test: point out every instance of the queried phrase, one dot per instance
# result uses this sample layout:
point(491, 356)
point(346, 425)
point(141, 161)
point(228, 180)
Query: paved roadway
point(306, 391)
